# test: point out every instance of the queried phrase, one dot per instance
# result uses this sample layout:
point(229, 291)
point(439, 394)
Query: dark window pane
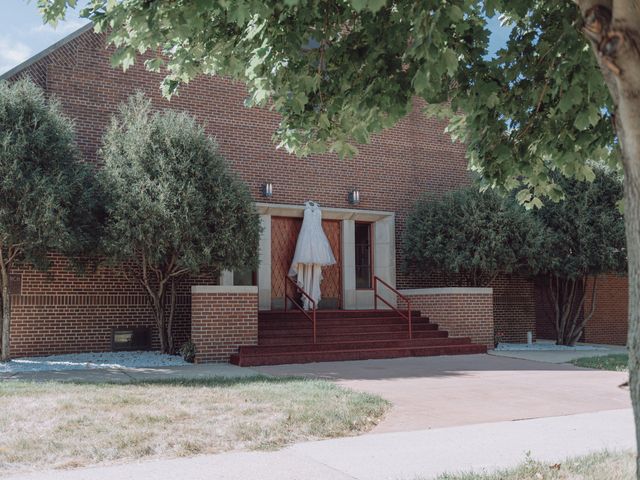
point(363, 255)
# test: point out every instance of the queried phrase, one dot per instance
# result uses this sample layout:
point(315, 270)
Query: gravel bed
point(83, 361)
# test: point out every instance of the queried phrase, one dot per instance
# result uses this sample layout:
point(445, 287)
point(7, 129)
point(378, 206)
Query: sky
point(22, 33)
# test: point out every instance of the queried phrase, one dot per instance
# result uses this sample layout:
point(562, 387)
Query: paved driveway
point(435, 392)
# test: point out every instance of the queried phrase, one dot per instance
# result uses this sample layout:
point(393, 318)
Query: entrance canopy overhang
point(281, 210)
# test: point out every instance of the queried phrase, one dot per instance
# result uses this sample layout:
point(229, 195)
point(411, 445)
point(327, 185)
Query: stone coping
point(223, 289)
point(447, 291)
point(328, 213)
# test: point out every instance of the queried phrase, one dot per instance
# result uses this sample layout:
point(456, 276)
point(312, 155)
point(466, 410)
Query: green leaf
point(359, 5)
point(451, 61)
point(582, 120)
point(455, 13)
point(375, 5)
point(594, 115)
point(493, 100)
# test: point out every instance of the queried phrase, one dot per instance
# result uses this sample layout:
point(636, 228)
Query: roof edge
point(30, 61)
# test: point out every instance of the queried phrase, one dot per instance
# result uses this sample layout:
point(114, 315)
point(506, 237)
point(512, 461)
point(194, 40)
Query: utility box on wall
point(128, 339)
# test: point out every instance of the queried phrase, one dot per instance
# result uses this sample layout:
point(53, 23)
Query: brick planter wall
point(610, 322)
point(463, 312)
point(222, 319)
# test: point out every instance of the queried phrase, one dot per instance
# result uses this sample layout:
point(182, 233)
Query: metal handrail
point(407, 317)
point(311, 317)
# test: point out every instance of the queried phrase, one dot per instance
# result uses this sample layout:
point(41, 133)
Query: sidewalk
point(392, 456)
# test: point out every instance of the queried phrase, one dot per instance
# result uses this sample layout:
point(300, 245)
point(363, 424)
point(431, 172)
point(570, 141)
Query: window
point(363, 255)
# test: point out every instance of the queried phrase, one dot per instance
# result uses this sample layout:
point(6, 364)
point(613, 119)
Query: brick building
point(60, 312)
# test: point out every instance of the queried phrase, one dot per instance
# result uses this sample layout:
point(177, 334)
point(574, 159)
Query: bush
point(473, 235)
point(188, 351)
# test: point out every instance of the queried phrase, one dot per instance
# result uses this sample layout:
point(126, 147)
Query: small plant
point(498, 338)
point(188, 351)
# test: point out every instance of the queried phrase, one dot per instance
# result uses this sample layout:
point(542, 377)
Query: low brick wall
point(222, 319)
point(463, 312)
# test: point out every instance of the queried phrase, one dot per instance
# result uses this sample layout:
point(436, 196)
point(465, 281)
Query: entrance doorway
point(284, 235)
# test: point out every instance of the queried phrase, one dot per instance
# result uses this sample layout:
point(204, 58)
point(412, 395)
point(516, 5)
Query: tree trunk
point(567, 297)
point(614, 32)
point(6, 312)
point(158, 310)
point(632, 222)
point(172, 309)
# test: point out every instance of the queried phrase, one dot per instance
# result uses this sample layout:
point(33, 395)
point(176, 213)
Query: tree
point(47, 197)
point(173, 208)
point(584, 237)
point(473, 235)
point(563, 90)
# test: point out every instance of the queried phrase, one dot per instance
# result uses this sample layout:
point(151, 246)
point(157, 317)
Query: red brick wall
point(609, 323)
point(545, 313)
point(222, 319)
point(61, 311)
point(514, 308)
point(463, 312)
point(610, 320)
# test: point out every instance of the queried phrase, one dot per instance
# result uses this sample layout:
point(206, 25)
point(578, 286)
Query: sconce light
point(267, 189)
point(354, 197)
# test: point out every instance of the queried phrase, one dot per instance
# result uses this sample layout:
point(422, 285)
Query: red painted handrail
point(377, 279)
point(311, 317)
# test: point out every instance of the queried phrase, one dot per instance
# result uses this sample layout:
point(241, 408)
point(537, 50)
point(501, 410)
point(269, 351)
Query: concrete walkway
point(421, 454)
point(436, 392)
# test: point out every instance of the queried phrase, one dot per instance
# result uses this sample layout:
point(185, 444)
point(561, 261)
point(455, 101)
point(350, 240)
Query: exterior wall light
point(354, 197)
point(267, 189)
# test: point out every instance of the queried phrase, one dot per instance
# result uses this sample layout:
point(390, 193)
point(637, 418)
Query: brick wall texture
point(461, 314)
point(66, 312)
point(61, 311)
point(609, 323)
point(221, 322)
point(610, 319)
point(514, 308)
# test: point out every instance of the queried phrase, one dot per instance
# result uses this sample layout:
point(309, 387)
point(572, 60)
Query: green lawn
point(615, 362)
point(67, 425)
point(599, 466)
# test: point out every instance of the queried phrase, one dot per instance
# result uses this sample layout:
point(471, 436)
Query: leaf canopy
point(585, 233)
point(337, 72)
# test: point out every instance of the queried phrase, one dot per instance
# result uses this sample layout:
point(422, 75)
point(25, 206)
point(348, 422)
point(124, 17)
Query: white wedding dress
point(312, 253)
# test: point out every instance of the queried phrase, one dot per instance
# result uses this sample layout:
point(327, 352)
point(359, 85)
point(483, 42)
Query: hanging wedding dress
point(312, 253)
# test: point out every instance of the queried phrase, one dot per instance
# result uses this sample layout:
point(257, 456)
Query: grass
point(598, 466)
point(67, 425)
point(616, 362)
